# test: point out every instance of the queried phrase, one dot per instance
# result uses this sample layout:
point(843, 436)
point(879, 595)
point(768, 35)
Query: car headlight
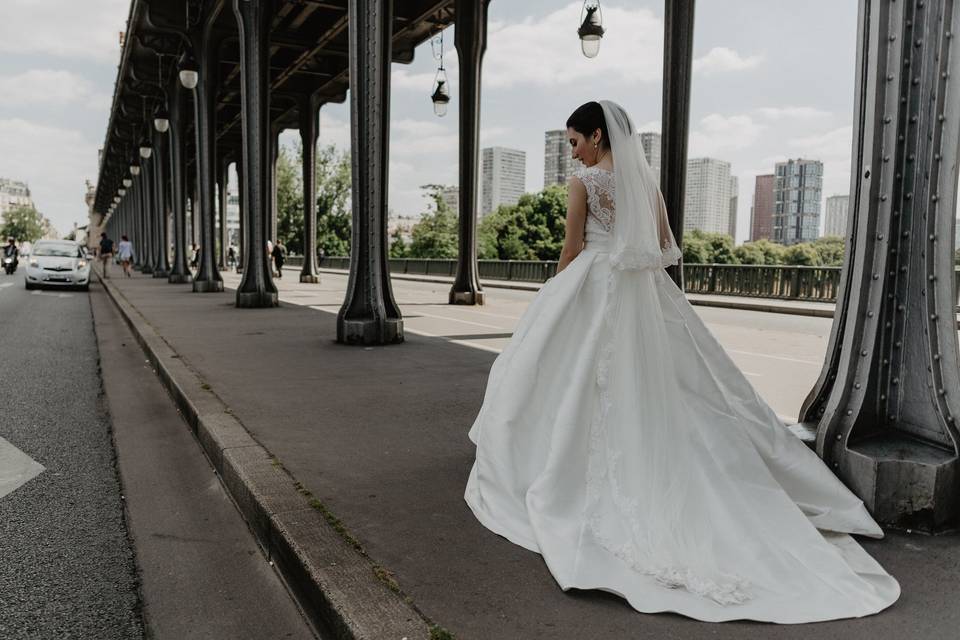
point(81, 264)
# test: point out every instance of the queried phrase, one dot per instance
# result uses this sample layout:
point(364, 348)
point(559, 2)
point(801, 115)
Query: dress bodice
point(601, 191)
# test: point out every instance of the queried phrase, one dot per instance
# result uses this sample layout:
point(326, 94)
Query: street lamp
point(161, 120)
point(134, 169)
point(116, 199)
point(127, 182)
point(145, 149)
point(122, 192)
point(441, 95)
point(591, 28)
point(189, 76)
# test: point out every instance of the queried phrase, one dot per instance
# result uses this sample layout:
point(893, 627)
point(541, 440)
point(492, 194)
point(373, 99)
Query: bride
point(618, 439)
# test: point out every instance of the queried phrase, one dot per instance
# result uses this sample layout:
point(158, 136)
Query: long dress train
point(636, 458)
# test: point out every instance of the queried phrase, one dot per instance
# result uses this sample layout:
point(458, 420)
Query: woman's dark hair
point(124, 238)
point(586, 119)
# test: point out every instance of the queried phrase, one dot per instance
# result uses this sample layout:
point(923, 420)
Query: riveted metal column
point(309, 109)
point(242, 215)
point(253, 20)
point(207, 279)
point(223, 177)
point(677, 70)
point(471, 42)
point(179, 271)
point(886, 405)
point(369, 314)
point(146, 218)
point(162, 265)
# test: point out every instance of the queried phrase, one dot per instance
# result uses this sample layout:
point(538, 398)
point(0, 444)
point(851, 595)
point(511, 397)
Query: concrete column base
point(239, 269)
point(159, 273)
point(367, 332)
point(207, 286)
point(467, 297)
point(177, 278)
point(256, 300)
point(309, 278)
point(146, 269)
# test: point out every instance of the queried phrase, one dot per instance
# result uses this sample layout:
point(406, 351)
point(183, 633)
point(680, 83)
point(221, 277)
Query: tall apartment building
point(797, 190)
point(558, 165)
point(503, 177)
point(709, 190)
point(734, 201)
point(835, 217)
point(651, 150)
point(761, 211)
point(13, 193)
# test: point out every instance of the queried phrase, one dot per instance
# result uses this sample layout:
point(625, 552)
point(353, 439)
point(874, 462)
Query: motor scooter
point(9, 265)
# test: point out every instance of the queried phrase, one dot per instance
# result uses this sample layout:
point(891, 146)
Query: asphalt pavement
point(67, 567)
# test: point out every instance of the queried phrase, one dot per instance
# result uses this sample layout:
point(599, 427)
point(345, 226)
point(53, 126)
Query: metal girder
point(886, 404)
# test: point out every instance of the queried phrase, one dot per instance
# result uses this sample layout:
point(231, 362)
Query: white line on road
point(16, 468)
point(52, 295)
point(767, 355)
point(6, 284)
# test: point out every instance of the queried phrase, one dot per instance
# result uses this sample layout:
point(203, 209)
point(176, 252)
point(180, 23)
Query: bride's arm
point(576, 219)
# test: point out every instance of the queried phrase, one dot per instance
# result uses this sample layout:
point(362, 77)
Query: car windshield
point(56, 250)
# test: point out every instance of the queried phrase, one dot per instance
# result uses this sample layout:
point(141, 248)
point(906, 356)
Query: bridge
point(215, 84)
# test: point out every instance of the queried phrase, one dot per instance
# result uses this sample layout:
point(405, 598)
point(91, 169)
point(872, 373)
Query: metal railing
point(784, 282)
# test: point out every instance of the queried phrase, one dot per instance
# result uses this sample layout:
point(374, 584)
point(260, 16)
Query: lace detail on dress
point(601, 191)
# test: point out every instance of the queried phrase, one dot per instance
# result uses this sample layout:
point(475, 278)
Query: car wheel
point(28, 286)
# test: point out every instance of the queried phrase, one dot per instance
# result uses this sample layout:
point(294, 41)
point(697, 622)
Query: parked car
point(57, 263)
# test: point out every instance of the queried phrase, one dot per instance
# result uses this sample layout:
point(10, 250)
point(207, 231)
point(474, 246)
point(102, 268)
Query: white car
point(57, 263)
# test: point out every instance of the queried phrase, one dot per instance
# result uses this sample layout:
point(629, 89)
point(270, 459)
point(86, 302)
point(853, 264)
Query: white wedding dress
point(618, 440)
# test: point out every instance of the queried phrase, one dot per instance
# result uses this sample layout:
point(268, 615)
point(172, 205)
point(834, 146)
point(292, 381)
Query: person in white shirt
point(125, 253)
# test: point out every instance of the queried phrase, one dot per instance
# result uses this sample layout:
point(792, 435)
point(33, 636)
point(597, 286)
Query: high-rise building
point(797, 190)
point(13, 193)
point(761, 211)
point(651, 150)
point(835, 217)
point(503, 177)
point(708, 193)
point(734, 201)
point(451, 195)
point(558, 164)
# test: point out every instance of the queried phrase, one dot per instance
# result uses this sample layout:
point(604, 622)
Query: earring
point(594, 145)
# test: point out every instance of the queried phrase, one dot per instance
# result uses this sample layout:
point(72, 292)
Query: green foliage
point(804, 254)
point(956, 257)
point(435, 236)
point(398, 248)
point(334, 217)
point(23, 223)
point(532, 229)
point(711, 248)
point(831, 250)
point(290, 199)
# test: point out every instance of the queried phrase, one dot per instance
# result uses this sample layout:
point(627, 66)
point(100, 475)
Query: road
point(113, 524)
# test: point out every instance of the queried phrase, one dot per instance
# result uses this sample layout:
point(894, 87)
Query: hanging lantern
point(591, 28)
point(135, 169)
point(189, 76)
point(161, 120)
point(441, 94)
point(122, 192)
point(127, 182)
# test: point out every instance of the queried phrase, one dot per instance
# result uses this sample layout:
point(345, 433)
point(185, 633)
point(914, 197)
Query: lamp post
point(441, 95)
point(591, 28)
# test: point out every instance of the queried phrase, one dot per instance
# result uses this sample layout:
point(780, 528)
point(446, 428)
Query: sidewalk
point(377, 437)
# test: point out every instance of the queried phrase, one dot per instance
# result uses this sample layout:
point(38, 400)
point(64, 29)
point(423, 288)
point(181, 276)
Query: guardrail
point(785, 282)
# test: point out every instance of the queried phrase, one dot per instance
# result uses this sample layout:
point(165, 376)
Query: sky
point(772, 80)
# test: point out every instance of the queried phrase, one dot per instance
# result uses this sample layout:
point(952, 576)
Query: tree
point(749, 253)
point(831, 250)
point(804, 254)
point(398, 247)
point(532, 229)
point(713, 248)
point(696, 250)
point(772, 252)
point(435, 236)
point(290, 200)
point(334, 216)
point(23, 223)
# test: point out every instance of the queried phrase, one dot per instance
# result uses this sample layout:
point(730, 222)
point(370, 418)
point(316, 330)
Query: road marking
point(6, 284)
point(16, 468)
point(52, 295)
point(767, 355)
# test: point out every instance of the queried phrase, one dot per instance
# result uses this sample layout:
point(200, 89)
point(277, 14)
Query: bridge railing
point(785, 282)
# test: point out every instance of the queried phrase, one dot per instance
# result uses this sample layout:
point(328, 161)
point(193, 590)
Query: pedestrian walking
point(321, 254)
point(231, 256)
point(194, 255)
point(279, 257)
point(106, 252)
point(125, 253)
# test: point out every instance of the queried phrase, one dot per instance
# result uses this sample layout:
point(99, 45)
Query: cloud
point(722, 59)
point(545, 51)
point(789, 112)
point(54, 161)
point(51, 87)
point(716, 134)
point(87, 30)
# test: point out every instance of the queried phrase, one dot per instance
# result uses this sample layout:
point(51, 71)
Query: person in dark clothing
point(10, 250)
point(279, 257)
point(105, 253)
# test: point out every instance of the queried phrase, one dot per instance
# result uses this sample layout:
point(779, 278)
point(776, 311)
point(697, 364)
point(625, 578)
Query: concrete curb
point(335, 585)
